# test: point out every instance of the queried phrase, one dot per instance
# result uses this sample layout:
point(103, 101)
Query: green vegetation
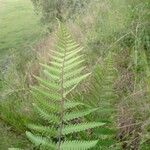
point(116, 39)
point(59, 114)
point(64, 10)
point(19, 25)
point(19, 29)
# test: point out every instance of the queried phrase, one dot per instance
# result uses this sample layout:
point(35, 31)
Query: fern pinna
point(52, 103)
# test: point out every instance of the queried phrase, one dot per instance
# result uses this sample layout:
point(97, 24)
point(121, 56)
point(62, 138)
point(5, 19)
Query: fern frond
point(75, 81)
point(102, 93)
point(45, 104)
point(73, 73)
point(73, 60)
point(52, 69)
point(43, 129)
point(80, 127)
point(56, 54)
point(71, 54)
point(78, 145)
point(51, 95)
point(40, 141)
point(69, 104)
point(60, 77)
point(72, 66)
point(56, 58)
point(51, 76)
point(72, 45)
point(51, 118)
point(74, 115)
point(51, 85)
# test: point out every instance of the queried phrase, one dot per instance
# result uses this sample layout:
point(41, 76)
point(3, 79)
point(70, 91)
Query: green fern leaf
point(69, 104)
point(45, 104)
point(56, 54)
point(80, 127)
point(71, 54)
point(56, 58)
point(73, 60)
point(72, 46)
point(51, 85)
point(72, 66)
point(56, 64)
point(74, 115)
point(51, 118)
point(75, 81)
point(73, 73)
point(51, 95)
point(51, 76)
point(43, 129)
point(51, 69)
point(78, 145)
point(40, 141)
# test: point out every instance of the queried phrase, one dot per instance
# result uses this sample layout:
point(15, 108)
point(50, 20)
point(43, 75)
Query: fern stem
point(62, 102)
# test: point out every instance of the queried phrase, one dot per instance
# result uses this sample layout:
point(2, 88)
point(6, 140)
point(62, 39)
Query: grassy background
point(19, 28)
point(18, 25)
